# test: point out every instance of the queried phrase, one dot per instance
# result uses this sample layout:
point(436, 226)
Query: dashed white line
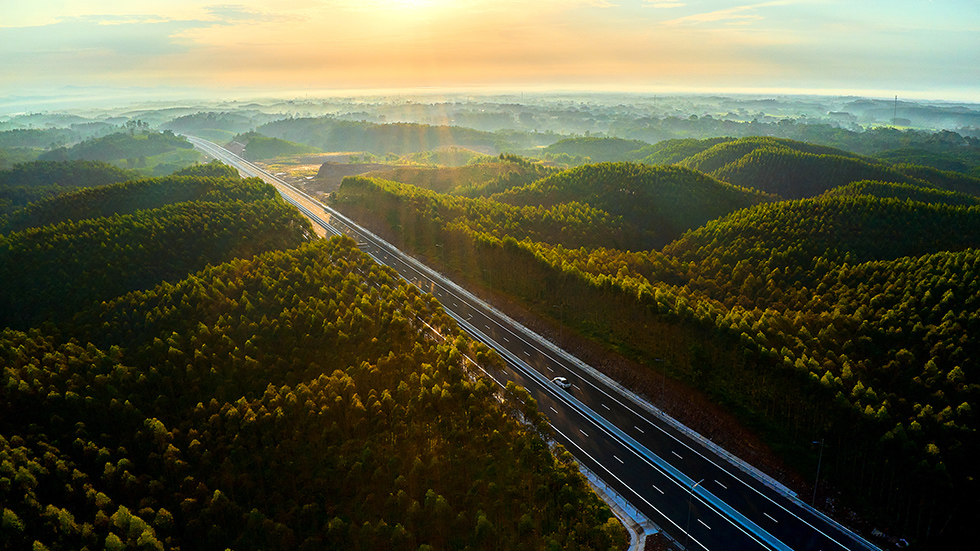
point(770, 518)
point(605, 406)
point(553, 409)
point(487, 326)
point(583, 432)
point(720, 484)
point(526, 353)
point(657, 489)
point(677, 454)
point(639, 429)
point(506, 339)
point(576, 386)
point(703, 524)
point(618, 459)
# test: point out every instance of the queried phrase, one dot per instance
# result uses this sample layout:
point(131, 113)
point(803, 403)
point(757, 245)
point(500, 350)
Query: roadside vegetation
point(847, 316)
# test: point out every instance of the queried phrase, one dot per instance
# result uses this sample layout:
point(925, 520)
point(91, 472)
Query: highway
point(694, 491)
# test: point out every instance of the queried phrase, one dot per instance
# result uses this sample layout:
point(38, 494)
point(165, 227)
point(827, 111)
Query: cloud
point(655, 4)
point(734, 14)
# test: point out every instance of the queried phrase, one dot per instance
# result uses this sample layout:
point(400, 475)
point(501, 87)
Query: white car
point(562, 382)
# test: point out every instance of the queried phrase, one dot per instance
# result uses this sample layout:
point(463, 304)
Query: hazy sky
point(913, 48)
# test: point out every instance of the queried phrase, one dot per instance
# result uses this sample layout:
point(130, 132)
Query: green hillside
point(53, 271)
point(473, 180)
point(282, 402)
point(599, 150)
point(905, 192)
point(942, 179)
point(850, 317)
point(729, 151)
point(401, 206)
point(121, 145)
point(330, 134)
point(259, 147)
point(664, 201)
point(129, 197)
point(28, 182)
point(794, 175)
point(800, 237)
point(668, 152)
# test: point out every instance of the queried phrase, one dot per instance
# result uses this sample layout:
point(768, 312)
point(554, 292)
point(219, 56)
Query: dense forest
point(849, 316)
point(26, 183)
point(330, 134)
point(259, 147)
point(152, 153)
point(200, 375)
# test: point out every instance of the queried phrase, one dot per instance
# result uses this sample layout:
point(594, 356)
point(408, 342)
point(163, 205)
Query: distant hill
point(152, 153)
point(121, 145)
point(803, 234)
point(668, 152)
point(571, 224)
point(597, 149)
point(942, 179)
point(259, 147)
point(28, 182)
point(966, 161)
point(330, 134)
point(50, 272)
point(664, 200)
point(905, 192)
point(213, 123)
point(132, 196)
point(447, 156)
point(446, 179)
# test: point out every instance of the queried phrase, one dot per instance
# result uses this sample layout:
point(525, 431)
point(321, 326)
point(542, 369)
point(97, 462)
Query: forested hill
point(131, 196)
point(281, 402)
point(259, 147)
point(663, 200)
point(121, 145)
point(479, 179)
point(28, 182)
point(850, 317)
point(331, 134)
point(97, 243)
point(905, 191)
point(598, 150)
point(850, 229)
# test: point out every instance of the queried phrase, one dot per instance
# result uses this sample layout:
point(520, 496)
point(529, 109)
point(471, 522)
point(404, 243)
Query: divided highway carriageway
point(702, 497)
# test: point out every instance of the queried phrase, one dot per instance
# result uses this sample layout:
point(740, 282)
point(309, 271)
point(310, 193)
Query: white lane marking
point(677, 454)
point(549, 368)
point(639, 429)
point(658, 489)
point(553, 409)
point(487, 326)
point(618, 459)
point(605, 406)
point(526, 353)
point(575, 386)
point(583, 432)
point(506, 339)
point(770, 518)
point(705, 525)
point(720, 484)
